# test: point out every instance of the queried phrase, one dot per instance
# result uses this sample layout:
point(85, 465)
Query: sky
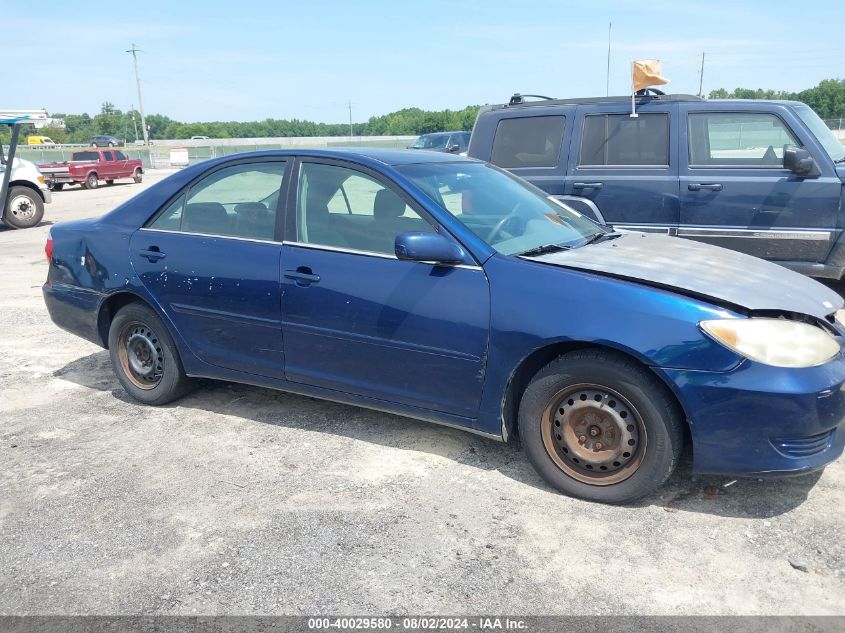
point(252, 60)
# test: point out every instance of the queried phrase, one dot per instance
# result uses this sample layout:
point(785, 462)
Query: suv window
point(528, 141)
point(345, 208)
point(621, 140)
point(120, 156)
point(738, 139)
point(237, 201)
point(108, 156)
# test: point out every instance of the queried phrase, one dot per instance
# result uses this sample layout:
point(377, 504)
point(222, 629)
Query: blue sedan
point(447, 290)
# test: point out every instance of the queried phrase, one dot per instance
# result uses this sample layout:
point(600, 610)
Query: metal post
point(607, 86)
point(701, 77)
point(7, 173)
point(134, 52)
point(350, 121)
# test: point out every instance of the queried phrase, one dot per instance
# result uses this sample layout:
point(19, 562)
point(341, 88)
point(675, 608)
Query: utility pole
point(134, 122)
point(607, 88)
point(701, 77)
point(134, 52)
point(350, 119)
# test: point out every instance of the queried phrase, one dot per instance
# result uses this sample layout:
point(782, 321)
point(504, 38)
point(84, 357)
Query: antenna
point(607, 87)
point(701, 77)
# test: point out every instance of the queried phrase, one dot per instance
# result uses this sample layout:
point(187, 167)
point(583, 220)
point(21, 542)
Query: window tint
point(85, 156)
point(528, 142)
point(621, 140)
point(108, 156)
point(348, 209)
point(120, 156)
point(238, 201)
point(738, 139)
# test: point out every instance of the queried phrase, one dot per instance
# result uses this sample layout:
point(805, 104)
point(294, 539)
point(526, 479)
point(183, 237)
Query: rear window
point(85, 156)
point(621, 140)
point(528, 141)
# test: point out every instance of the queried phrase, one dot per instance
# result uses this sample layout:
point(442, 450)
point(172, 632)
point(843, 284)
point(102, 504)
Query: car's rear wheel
point(598, 426)
point(91, 181)
point(144, 356)
point(24, 208)
point(138, 176)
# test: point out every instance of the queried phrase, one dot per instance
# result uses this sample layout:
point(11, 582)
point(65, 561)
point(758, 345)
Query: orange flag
point(645, 73)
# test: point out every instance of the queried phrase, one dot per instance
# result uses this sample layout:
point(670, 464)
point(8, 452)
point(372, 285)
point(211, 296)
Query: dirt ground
point(239, 500)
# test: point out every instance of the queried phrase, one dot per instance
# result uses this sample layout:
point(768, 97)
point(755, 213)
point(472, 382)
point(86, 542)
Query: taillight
point(48, 247)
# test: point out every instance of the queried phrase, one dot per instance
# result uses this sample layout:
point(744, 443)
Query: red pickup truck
point(88, 167)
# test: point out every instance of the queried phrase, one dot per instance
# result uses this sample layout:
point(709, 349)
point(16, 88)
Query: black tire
point(138, 338)
point(111, 144)
point(58, 186)
point(587, 396)
point(138, 176)
point(24, 208)
point(91, 181)
point(109, 182)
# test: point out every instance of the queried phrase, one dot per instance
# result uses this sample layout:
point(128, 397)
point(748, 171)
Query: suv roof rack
point(641, 97)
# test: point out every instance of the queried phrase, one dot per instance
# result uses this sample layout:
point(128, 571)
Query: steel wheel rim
point(594, 434)
point(141, 357)
point(22, 207)
point(92, 181)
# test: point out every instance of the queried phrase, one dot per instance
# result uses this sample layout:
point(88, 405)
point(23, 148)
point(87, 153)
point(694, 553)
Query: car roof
point(518, 101)
point(444, 133)
point(363, 154)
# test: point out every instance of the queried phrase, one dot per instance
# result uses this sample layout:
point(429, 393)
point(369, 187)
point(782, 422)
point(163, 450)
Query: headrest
point(252, 209)
point(205, 217)
point(388, 205)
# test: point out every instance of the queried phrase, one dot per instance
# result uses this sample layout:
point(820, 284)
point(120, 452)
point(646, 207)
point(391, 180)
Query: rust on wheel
point(593, 434)
point(140, 354)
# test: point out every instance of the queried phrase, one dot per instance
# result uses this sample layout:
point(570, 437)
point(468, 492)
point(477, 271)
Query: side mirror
point(454, 147)
point(799, 161)
point(428, 247)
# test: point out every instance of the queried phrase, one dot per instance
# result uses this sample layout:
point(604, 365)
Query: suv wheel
point(598, 426)
point(91, 181)
point(138, 176)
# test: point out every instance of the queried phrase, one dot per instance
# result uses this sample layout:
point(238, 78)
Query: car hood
point(702, 270)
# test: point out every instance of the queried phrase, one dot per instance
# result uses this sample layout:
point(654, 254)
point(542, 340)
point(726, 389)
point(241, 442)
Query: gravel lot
point(239, 500)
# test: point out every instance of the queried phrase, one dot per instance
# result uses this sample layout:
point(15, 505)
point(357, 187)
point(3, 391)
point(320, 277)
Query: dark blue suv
point(760, 177)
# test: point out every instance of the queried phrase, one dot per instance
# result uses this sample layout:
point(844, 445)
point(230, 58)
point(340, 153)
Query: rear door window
point(237, 201)
point(738, 139)
point(620, 140)
point(528, 141)
point(108, 156)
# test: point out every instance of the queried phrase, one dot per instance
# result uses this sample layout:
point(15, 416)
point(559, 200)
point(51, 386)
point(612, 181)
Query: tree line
point(79, 128)
point(827, 99)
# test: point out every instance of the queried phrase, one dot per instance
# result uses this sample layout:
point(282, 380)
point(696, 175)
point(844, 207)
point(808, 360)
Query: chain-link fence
point(158, 155)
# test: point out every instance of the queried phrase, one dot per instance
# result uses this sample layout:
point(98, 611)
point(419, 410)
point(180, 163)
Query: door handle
point(710, 186)
point(303, 276)
point(152, 254)
point(587, 185)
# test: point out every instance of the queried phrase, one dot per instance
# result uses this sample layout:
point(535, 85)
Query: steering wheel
point(502, 223)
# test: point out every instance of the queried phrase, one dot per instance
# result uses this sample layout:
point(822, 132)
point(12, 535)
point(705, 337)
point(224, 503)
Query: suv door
point(736, 193)
point(358, 320)
point(108, 166)
point(627, 166)
point(210, 259)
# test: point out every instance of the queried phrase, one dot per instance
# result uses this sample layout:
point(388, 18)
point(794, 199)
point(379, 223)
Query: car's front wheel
point(598, 426)
point(144, 356)
point(138, 176)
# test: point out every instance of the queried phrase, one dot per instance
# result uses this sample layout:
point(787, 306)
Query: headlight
point(775, 342)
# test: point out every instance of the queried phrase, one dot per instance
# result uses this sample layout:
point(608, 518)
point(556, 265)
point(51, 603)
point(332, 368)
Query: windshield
point(429, 142)
point(827, 138)
point(509, 214)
